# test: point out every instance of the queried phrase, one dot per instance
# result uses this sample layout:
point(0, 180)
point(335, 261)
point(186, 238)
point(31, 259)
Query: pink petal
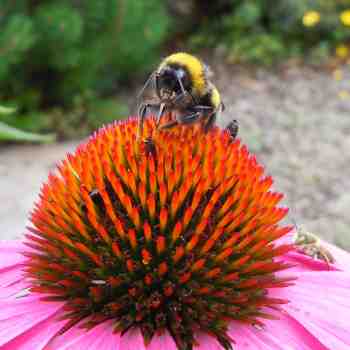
point(132, 340)
point(302, 262)
point(342, 258)
point(320, 301)
point(286, 239)
point(282, 334)
point(207, 342)
point(38, 336)
point(12, 245)
point(11, 265)
point(100, 337)
point(162, 342)
point(20, 315)
point(11, 281)
point(11, 253)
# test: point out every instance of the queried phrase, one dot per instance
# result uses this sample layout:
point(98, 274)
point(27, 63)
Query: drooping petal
point(37, 337)
point(100, 337)
point(11, 265)
point(283, 334)
point(132, 340)
point(18, 316)
point(11, 281)
point(11, 253)
point(320, 301)
point(162, 342)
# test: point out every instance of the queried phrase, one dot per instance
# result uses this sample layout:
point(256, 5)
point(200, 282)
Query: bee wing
point(207, 71)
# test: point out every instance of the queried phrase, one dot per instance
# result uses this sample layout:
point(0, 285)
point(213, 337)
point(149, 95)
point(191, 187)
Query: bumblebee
point(183, 89)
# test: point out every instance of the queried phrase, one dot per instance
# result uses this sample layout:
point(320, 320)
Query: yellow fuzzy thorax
point(215, 97)
point(194, 66)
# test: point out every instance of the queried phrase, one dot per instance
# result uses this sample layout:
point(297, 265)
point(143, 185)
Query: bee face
point(172, 80)
point(183, 91)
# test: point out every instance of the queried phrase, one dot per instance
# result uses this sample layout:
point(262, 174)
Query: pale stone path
point(22, 170)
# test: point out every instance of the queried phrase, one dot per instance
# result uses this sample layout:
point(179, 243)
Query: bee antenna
point(183, 89)
point(181, 85)
point(150, 78)
point(295, 223)
point(292, 218)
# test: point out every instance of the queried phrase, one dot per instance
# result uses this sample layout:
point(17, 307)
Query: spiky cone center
point(176, 233)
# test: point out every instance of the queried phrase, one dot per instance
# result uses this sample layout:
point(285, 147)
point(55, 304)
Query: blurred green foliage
point(266, 31)
point(61, 60)
point(67, 54)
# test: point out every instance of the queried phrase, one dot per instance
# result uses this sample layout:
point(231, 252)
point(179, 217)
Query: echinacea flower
point(311, 18)
point(173, 243)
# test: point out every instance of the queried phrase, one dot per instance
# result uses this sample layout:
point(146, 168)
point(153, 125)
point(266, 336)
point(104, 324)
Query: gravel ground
point(298, 123)
point(22, 170)
point(294, 120)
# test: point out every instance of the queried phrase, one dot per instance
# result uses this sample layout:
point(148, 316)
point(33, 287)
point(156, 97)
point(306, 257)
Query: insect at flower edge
point(181, 239)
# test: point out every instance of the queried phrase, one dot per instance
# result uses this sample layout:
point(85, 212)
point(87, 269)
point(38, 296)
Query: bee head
point(173, 79)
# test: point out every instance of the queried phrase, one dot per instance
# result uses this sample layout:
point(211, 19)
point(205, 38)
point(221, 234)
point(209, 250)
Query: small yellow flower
point(342, 51)
point(311, 18)
point(345, 17)
point(343, 94)
point(338, 75)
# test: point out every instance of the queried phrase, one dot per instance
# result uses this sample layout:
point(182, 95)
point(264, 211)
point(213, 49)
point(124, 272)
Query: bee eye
point(169, 82)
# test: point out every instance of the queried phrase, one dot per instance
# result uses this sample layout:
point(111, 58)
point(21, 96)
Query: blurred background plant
point(62, 63)
point(269, 31)
point(61, 60)
point(9, 133)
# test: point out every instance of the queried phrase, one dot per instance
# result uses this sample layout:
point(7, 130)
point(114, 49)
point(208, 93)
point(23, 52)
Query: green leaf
point(7, 110)
point(8, 133)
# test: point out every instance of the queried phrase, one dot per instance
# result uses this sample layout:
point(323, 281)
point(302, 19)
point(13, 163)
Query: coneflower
point(173, 242)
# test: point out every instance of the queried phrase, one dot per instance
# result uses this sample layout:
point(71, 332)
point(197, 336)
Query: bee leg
point(150, 148)
point(189, 119)
point(142, 115)
point(184, 119)
point(158, 89)
point(233, 128)
point(203, 109)
point(209, 113)
point(209, 123)
point(185, 94)
point(181, 100)
point(168, 125)
point(162, 108)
